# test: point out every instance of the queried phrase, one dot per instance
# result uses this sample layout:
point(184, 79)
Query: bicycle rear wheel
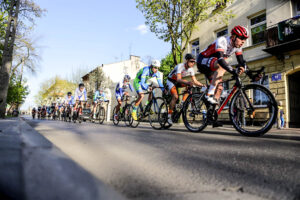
point(127, 115)
point(153, 116)
point(256, 121)
point(195, 113)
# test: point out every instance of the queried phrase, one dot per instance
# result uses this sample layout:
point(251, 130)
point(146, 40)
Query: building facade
point(274, 43)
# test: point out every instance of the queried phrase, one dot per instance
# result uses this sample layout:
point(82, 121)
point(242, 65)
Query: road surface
point(219, 163)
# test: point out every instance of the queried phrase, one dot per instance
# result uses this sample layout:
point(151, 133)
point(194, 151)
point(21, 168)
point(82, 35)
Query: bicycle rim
point(101, 115)
point(116, 121)
point(195, 113)
point(253, 122)
point(154, 112)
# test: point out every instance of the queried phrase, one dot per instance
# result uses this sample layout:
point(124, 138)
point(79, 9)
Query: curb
point(49, 174)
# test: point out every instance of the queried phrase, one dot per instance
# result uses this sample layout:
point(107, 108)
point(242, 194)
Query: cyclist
point(175, 81)
point(211, 61)
point(80, 95)
point(140, 83)
point(69, 99)
point(120, 91)
point(99, 95)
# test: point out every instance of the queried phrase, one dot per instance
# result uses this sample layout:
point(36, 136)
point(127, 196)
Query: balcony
point(283, 37)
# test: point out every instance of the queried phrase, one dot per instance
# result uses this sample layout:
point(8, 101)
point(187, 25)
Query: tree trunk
point(10, 35)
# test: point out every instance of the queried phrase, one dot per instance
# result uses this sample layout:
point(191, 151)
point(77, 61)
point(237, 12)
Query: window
point(195, 48)
point(223, 32)
point(258, 27)
point(258, 97)
point(297, 6)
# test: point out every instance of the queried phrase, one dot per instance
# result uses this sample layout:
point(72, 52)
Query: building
point(274, 43)
point(108, 75)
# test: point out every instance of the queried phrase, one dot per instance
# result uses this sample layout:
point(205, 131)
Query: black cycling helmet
point(70, 93)
point(81, 85)
point(189, 56)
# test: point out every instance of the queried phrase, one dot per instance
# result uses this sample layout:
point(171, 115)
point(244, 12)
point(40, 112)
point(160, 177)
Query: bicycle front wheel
point(154, 118)
point(195, 113)
point(253, 110)
point(101, 115)
point(116, 116)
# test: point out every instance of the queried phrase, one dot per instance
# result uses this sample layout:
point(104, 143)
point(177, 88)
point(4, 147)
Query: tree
point(27, 10)
point(174, 20)
point(54, 89)
point(17, 92)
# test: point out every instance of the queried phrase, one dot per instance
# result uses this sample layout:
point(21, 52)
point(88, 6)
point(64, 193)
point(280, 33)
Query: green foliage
point(173, 21)
point(167, 65)
point(53, 89)
point(17, 91)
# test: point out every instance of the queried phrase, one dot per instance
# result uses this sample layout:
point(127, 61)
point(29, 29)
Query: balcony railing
point(284, 36)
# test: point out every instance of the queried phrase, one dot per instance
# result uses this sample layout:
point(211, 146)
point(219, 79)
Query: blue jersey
point(121, 87)
point(99, 96)
point(146, 73)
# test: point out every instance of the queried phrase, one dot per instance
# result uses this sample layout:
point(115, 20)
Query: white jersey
point(80, 95)
point(180, 69)
point(221, 44)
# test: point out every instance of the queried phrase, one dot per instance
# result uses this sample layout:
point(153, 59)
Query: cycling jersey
point(140, 81)
point(218, 51)
point(80, 95)
point(180, 69)
point(98, 96)
point(221, 44)
point(120, 89)
point(69, 100)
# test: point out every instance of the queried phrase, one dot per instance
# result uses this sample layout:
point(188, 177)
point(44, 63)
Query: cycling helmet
point(81, 85)
point(155, 63)
point(127, 77)
point(69, 93)
point(240, 31)
point(189, 56)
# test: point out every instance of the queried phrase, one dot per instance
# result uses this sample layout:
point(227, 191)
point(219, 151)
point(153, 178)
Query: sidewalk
point(32, 168)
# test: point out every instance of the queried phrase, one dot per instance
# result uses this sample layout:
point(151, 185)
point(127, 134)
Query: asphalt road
point(219, 163)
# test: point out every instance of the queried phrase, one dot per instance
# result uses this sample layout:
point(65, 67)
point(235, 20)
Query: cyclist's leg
point(94, 109)
point(216, 78)
point(174, 94)
point(138, 89)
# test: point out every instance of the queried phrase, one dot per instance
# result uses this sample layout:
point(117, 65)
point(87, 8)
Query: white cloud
point(142, 29)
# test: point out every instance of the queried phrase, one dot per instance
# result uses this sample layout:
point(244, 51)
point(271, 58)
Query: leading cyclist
point(211, 61)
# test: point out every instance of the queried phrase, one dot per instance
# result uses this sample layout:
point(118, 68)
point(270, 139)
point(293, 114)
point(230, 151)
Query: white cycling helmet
point(155, 63)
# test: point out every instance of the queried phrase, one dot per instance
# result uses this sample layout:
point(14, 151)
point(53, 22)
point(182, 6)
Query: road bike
point(151, 110)
point(124, 112)
point(252, 109)
point(78, 112)
point(180, 108)
point(100, 111)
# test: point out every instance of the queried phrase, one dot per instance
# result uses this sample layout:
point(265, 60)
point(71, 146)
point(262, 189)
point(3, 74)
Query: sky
point(76, 33)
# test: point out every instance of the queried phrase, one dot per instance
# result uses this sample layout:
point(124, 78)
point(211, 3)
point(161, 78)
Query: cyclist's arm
point(95, 96)
point(180, 80)
point(223, 63)
point(196, 82)
point(145, 73)
point(130, 86)
point(161, 85)
point(84, 93)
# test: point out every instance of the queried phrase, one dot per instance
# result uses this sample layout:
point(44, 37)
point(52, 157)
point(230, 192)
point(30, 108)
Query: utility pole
point(10, 35)
point(21, 76)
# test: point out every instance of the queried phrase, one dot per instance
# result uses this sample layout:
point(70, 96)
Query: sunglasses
point(155, 67)
point(192, 61)
point(242, 37)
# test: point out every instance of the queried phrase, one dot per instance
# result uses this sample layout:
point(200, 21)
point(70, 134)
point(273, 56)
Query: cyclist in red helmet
point(212, 60)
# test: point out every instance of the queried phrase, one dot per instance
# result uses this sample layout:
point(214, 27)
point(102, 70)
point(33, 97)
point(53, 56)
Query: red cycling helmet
point(240, 31)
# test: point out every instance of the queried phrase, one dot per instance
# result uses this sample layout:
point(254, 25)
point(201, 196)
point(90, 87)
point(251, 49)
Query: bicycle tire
point(127, 115)
point(154, 112)
point(191, 100)
point(116, 121)
point(163, 115)
point(271, 105)
point(101, 115)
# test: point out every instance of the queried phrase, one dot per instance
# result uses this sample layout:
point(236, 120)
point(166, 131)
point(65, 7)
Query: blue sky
point(76, 33)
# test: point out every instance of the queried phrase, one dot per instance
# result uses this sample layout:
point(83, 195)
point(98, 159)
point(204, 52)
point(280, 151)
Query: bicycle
point(151, 111)
point(100, 110)
point(78, 111)
point(179, 109)
point(67, 113)
point(124, 113)
point(241, 108)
